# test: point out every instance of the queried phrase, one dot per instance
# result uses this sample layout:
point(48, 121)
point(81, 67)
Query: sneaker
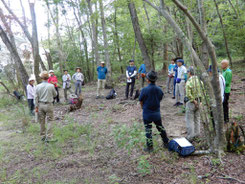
point(97, 97)
point(180, 104)
point(176, 104)
point(173, 97)
point(148, 149)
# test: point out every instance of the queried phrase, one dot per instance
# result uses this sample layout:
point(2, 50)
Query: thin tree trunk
point(16, 57)
point(35, 45)
point(107, 56)
point(138, 35)
point(94, 33)
point(224, 33)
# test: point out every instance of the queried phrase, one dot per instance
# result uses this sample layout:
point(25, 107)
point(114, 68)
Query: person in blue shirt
point(131, 75)
point(102, 71)
point(142, 74)
point(150, 98)
point(170, 79)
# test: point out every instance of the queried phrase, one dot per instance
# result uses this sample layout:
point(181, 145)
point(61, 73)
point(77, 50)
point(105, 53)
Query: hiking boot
point(173, 97)
point(148, 149)
point(97, 97)
point(176, 104)
point(180, 104)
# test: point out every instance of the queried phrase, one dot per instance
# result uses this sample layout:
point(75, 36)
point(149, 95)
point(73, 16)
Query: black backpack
point(137, 94)
point(111, 95)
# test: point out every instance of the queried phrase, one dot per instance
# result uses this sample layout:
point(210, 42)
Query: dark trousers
point(142, 81)
point(148, 132)
point(57, 98)
point(31, 105)
point(226, 107)
point(131, 90)
point(174, 87)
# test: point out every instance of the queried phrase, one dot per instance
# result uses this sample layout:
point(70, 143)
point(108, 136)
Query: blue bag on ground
point(181, 146)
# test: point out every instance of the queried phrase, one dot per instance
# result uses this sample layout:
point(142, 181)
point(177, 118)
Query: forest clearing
point(122, 91)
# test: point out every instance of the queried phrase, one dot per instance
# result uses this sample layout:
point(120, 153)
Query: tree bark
point(35, 44)
point(16, 57)
point(107, 56)
point(94, 33)
point(138, 35)
point(215, 100)
point(224, 33)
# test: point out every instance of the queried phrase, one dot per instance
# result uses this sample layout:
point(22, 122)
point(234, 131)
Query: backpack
point(181, 146)
point(234, 138)
point(137, 94)
point(111, 95)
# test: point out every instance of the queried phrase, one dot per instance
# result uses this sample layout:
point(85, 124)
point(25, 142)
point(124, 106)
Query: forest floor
point(102, 143)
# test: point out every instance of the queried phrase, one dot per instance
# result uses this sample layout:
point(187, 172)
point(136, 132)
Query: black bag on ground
point(111, 95)
point(137, 94)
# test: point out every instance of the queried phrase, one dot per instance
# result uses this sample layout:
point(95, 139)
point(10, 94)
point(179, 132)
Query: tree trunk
point(117, 40)
point(94, 33)
point(214, 100)
point(107, 57)
point(204, 49)
point(224, 33)
point(16, 57)
point(49, 59)
point(138, 35)
point(35, 45)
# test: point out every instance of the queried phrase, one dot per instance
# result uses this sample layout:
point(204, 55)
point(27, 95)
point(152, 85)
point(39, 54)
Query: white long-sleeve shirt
point(78, 76)
point(31, 90)
point(222, 86)
point(65, 79)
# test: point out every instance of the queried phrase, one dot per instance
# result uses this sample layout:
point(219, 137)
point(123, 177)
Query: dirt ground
point(106, 160)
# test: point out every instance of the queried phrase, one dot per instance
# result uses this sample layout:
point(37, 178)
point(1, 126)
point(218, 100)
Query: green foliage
point(129, 137)
point(144, 167)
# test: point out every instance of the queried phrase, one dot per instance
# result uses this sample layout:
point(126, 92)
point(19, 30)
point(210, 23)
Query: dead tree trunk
point(138, 35)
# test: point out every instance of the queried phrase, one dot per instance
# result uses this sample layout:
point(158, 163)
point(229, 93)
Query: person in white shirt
point(131, 73)
point(30, 95)
point(78, 78)
point(221, 82)
point(180, 83)
point(66, 78)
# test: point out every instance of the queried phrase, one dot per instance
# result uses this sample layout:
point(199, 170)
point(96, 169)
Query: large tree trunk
point(224, 33)
point(138, 35)
point(94, 34)
point(35, 45)
point(214, 100)
point(204, 49)
point(16, 57)
point(107, 56)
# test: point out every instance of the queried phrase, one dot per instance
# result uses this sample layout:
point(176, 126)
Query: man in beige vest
point(45, 93)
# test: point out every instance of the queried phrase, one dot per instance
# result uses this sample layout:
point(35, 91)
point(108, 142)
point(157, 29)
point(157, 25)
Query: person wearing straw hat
point(192, 115)
point(30, 89)
point(150, 98)
point(66, 78)
point(53, 80)
point(102, 71)
point(78, 78)
point(45, 93)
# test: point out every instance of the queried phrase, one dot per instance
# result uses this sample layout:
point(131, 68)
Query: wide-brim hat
point(31, 79)
point(51, 71)
point(152, 76)
point(44, 74)
point(102, 62)
point(78, 68)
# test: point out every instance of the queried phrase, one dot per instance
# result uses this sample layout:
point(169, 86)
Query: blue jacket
point(142, 68)
point(102, 71)
point(176, 71)
point(131, 70)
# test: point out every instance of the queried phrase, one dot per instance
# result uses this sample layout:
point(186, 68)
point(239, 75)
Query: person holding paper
point(131, 75)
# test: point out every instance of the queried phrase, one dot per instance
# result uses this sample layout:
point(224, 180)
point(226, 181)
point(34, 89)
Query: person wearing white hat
point(30, 94)
point(102, 71)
